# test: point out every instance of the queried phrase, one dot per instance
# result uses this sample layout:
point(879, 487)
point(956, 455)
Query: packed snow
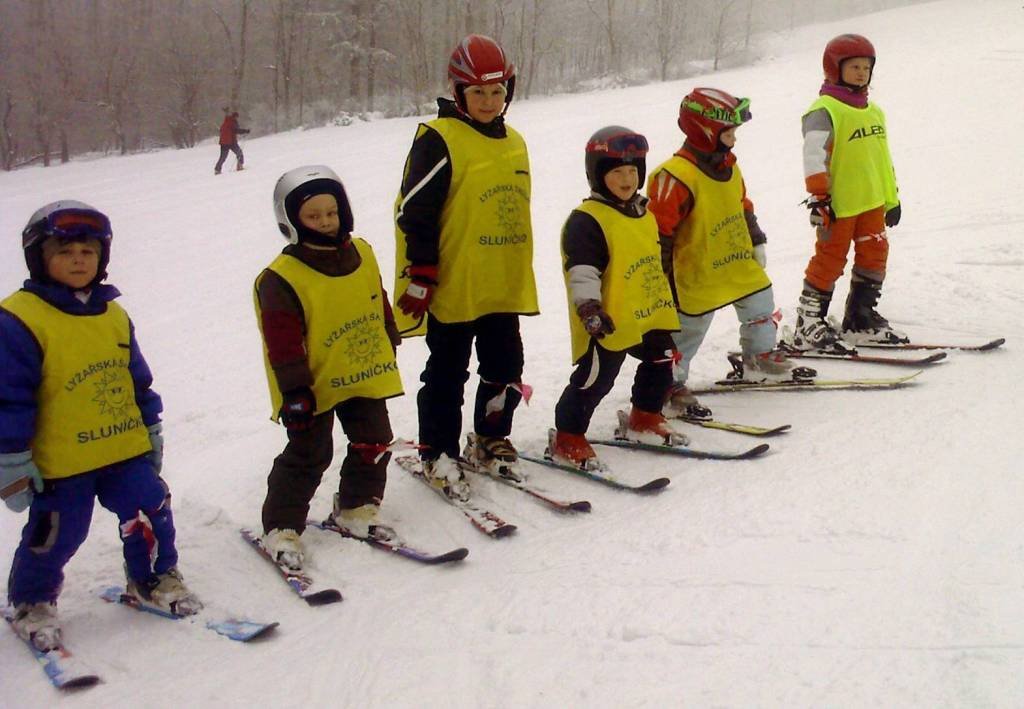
point(874, 557)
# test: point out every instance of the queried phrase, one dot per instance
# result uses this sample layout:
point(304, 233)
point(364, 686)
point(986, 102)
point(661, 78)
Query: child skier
point(849, 174)
point(464, 264)
point(79, 421)
point(619, 301)
point(329, 341)
point(713, 248)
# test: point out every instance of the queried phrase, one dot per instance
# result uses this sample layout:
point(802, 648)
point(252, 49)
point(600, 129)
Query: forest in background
point(120, 76)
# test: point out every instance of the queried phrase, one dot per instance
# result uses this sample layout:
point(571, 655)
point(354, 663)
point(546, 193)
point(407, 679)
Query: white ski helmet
point(295, 187)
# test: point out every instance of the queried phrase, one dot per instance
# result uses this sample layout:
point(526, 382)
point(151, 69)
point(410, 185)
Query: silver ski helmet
point(295, 187)
point(68, 220)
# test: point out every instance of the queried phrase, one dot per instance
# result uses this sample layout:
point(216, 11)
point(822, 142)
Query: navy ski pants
point(59, 518)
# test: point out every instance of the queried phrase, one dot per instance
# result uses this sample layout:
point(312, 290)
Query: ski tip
point(757, 450)
point(937, 357)
point(655, 485)
point(322, 598)
point(502, 531)
point(998, 342)
point(83, 682)
point(579, 506)
point(448, 557)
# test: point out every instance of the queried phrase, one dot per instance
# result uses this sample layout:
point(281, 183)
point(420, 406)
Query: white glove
point(760, 256)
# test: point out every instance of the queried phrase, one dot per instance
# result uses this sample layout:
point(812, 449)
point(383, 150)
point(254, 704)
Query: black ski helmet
point(295, 187)
point(68, 220)
point(611, 147)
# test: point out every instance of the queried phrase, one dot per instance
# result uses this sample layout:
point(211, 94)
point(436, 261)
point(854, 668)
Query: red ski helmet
point(704, 113)
point(841, 48)
point(477, 61)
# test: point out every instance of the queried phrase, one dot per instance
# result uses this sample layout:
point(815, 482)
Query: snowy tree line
point(80, 76)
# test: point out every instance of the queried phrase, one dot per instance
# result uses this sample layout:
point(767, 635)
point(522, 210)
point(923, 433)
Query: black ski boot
point(862, 325)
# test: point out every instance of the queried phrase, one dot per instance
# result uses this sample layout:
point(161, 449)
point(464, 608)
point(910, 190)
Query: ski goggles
point(622, 145)
point(734, 116)
point(70, 224)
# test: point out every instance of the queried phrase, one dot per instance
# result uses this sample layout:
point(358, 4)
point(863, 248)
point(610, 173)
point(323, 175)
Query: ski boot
point(497, 456)
point(572, 449)
point(813, 331)
point(445, 475)
point(167, 591)
point(363, 522)
point(37, 623)
point(771, 366)
point(682, 404)
point(651, 427)
point(862, 324)
point(285, 548)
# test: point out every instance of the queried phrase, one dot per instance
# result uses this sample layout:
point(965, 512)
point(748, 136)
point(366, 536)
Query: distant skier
point(79, 421)
point(229, 132)
point(713, 248)
point(329, 342)
point(849, 174)
point(464, 263)
point(620, 301)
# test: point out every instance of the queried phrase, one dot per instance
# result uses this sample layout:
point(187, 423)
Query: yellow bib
point(713, 259)
point(348, 348)
point(634, 290)
point(860, 169)
point(87, 416)
point(486, 251)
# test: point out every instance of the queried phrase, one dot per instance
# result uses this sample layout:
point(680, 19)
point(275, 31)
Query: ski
point(684, 451)
point(298, 581)
point(727, 385)
point(984, 347)
point(745, 429)
point(532, 491)
point(398, 547)
point(63, 669)
point(603, 476)
point(487, 522)
point(233, 628)
point(866, 359)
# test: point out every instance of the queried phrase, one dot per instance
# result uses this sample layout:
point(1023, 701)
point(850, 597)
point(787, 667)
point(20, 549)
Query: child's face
point(320, 213)
point(857, 71)
point(73, 263)
point(485, 103)
point(728, 137)
point(623, 181)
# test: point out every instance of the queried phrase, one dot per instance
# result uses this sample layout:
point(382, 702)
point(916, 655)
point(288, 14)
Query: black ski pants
point(297, 471)
point(595, 374)
point(499, 353)
point(236, 149)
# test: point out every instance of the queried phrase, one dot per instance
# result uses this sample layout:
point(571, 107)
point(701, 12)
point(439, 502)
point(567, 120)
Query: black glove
point(298, 409)
point(821, 210)
point(242, 131)
point(596, 321)
point(892, 217)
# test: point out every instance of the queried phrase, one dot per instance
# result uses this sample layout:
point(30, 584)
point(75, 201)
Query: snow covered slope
point(875, 557)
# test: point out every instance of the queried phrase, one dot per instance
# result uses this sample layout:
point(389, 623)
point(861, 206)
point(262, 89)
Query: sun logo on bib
point(654, 283)
point(113, 393)
point(363, 345)
point(508, 213)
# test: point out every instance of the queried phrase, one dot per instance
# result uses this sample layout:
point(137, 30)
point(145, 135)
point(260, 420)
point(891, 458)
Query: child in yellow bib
point(619, 302)
point(329, 341)
point(79, 422)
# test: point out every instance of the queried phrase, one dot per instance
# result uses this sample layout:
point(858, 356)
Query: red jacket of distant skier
point(229, 129)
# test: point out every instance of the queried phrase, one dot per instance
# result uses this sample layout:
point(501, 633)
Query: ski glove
point(821, 210)
point(892, 217)
point(19, 480)
point(759, 255)
point(596, 321)
point(298, 409)
point(156, 440)
point(416, 299)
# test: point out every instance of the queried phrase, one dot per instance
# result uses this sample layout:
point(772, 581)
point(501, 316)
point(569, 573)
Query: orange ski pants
point(870, 247)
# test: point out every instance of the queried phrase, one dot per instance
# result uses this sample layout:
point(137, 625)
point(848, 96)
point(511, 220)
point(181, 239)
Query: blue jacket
point(21, 362)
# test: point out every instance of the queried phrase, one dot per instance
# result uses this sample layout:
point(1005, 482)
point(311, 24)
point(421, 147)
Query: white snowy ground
point(873, 558)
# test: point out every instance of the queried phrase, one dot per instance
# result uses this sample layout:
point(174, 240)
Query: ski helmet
point(477, 61)
point(611, 147)
point(705, 113)
point(841, 48)
point(67, 220)
point(294, 187)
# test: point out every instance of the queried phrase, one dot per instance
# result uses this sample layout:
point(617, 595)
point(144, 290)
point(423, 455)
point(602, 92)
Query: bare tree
point(237, 57)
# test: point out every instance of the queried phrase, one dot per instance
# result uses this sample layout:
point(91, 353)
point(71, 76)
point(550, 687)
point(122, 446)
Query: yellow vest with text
point(860, 168)
point(713, 259)
point(348, 348)
point(86, 414)
point(634, 290)
point(485, 261)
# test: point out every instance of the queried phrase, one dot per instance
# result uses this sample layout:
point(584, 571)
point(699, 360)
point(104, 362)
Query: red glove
point(416, 299)
point(597, 322)
point(298, 409)
point(821, 210)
